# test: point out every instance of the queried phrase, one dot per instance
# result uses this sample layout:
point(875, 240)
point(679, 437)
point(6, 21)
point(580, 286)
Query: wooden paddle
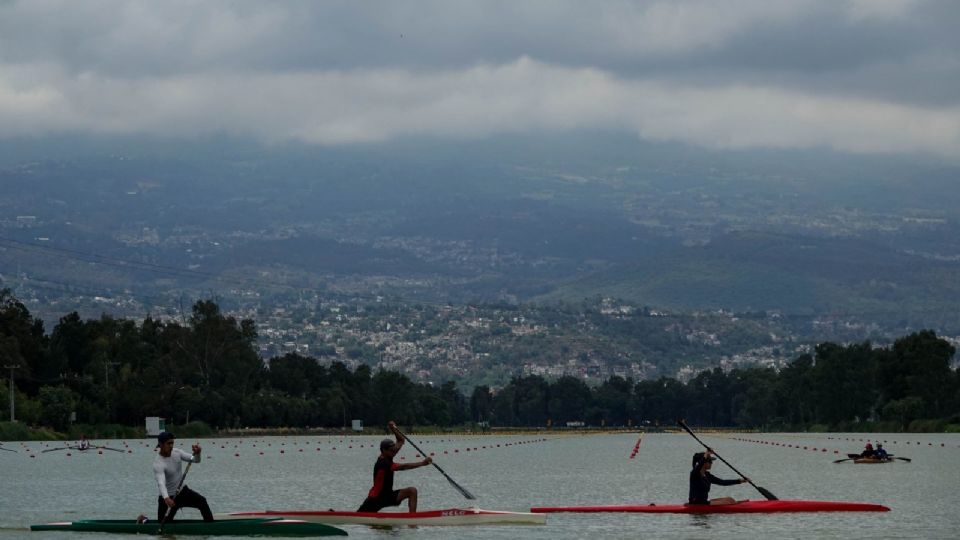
point(463, 491)
point(763, 491)
point(179, 487)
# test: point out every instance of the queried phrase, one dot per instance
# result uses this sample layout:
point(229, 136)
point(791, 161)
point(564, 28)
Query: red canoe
point(744, 507)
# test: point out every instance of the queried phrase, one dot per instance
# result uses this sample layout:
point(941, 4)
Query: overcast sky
point(873, 76)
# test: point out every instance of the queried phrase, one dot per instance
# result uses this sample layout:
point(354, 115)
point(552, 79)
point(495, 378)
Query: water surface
point(523, 471)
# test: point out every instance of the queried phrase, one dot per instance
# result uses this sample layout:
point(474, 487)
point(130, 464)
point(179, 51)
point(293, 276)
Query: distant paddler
point(382, 494)
point(84, 444)
point(881, 454)
point(167, 469)
point(701, 479)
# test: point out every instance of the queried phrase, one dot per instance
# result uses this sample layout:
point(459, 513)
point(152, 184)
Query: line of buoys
point(237, 446)
point(918, 443)
point(786, 445)
point(636, 447)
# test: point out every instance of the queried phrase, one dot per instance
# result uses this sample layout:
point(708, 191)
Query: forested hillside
point(206, 368)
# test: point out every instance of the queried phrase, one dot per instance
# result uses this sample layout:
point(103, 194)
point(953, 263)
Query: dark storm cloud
point(855, 75)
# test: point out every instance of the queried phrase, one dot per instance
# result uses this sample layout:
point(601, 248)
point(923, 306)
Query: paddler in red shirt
point(382, 494)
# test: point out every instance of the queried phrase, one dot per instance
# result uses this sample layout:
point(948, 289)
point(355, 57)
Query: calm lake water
point(524, 471)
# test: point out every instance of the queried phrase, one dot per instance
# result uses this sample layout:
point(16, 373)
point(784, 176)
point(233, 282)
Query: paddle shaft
point(463, 491)
point(765, 492)
point(179, 487)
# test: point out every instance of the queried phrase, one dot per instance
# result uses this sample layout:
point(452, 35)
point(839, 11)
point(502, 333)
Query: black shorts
point(371, 504)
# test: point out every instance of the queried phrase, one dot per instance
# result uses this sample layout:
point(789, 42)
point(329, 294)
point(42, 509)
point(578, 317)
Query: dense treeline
point(206, 368)
point(907, 386)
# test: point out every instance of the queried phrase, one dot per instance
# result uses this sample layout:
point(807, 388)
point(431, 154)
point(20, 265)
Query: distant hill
point(508, 219)
point(755, 271)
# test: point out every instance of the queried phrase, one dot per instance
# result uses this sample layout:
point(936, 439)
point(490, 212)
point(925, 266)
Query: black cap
point(700, 458)
point(163, 437)
point(386, 444)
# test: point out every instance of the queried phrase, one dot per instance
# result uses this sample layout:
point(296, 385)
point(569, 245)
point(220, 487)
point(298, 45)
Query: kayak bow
point(743, 507)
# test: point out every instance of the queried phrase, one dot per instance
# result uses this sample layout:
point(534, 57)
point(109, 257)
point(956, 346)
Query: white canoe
point(450, 516)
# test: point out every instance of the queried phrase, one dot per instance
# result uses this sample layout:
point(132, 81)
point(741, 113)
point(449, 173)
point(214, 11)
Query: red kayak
point(743, 507)
point(450, 516)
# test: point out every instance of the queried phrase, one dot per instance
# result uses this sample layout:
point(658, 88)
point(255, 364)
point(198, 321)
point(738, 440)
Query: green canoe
point(238, 527)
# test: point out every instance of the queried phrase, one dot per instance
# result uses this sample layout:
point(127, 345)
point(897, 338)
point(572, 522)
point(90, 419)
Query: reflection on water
point(700, 521)
point(325, 472)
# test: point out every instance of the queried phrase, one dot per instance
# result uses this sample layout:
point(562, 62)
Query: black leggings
point(187, 498)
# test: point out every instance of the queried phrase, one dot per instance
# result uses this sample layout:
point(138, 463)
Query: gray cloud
point(856, 75)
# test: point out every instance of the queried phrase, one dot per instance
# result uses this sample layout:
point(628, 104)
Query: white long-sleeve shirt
point(168, 470)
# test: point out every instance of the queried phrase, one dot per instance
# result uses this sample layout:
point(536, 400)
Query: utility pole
point(106, 373)
point(106, 382)
point(13, 417)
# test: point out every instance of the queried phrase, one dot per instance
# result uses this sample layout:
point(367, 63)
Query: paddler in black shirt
point(700, 480)
point(382, 494)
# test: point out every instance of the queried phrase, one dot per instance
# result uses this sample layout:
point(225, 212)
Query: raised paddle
point(763, 491)
point(463, 491)
point(179, 487)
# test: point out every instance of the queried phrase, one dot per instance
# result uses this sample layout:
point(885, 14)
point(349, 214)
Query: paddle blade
point(905, 459)
point(766, 493)
point(841, 460)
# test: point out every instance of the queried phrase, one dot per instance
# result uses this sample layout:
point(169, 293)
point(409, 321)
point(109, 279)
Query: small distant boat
point(450, 516)
point(743, 507)
point(79, 448)
point(857, 458)
point(188, 527)
point(873, 460)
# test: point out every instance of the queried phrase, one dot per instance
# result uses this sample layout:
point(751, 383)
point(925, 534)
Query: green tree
point(569, 399)
point(903, 411)
point(919, 366)
point(24, 341)
point(844, 381)
point(614, 401)
point(57, 404)
point(481, 404)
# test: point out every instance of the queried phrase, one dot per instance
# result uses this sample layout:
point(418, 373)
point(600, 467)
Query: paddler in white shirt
point(167, 469)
